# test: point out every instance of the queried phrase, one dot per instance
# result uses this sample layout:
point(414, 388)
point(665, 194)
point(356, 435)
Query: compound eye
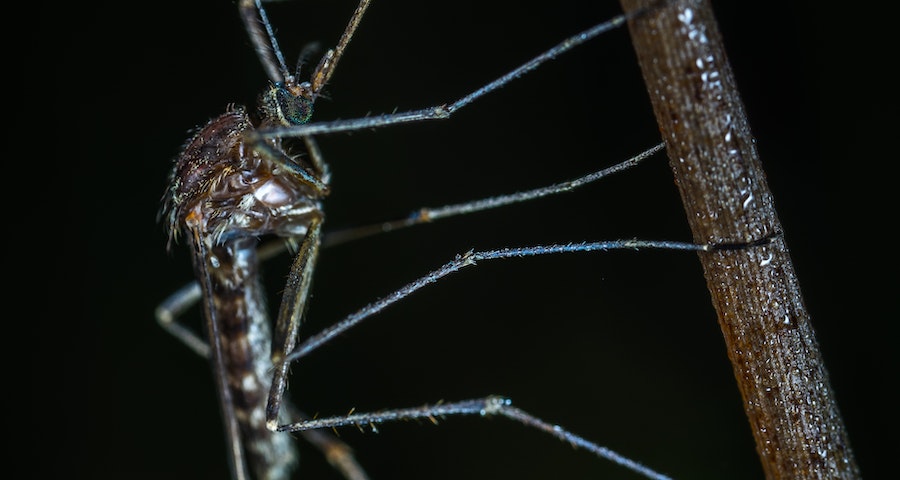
point(296, 110)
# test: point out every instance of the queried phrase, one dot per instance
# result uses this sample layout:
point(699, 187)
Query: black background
point(622, 348)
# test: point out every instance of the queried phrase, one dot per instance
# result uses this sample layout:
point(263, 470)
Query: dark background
point(622, 348)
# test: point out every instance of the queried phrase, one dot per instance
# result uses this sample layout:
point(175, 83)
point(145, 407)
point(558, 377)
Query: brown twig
point(784, 384)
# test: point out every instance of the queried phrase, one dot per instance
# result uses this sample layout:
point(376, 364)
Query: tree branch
point(771, 344)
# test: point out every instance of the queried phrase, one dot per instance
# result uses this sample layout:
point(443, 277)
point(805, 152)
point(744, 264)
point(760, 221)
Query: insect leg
point(488, 406)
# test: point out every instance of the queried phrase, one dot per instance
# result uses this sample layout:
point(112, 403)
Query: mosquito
point(246, 176)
